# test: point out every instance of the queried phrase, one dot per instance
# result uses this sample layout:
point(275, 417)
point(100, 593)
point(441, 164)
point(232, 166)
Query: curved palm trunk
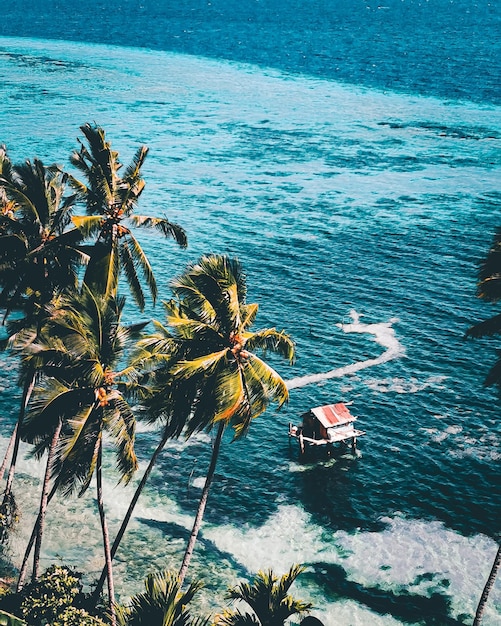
point(8, 505)
point(488, 587)
point(97, 591)
point(44, 500)
point(27, 390)
point(8, 451)
point(29, 547)
point(106, 536)
point(201, 505)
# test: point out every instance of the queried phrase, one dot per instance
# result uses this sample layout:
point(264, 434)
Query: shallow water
point(360, 217)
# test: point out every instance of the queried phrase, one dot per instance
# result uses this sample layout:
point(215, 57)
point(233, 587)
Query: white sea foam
point(384, 335)
point(402, 385)
point(424, 556)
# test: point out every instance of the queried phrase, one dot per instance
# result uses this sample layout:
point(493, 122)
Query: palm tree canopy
point(39, 254)
point(80, 348)
point(162, 603)
point(269, 598)
point(110, 199)
point(206, 352)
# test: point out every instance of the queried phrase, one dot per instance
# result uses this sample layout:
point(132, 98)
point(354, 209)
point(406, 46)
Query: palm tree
point(210, 359)
point(489, 289)
point(162, 604)
point(182, 393)
point(269, 598)
point(39, 258)
point(39, 255)
point(82, 390)
point(110, 201)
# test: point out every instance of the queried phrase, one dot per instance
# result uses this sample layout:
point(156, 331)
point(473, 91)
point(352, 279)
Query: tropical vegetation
point(269, 598)
point(86, 375)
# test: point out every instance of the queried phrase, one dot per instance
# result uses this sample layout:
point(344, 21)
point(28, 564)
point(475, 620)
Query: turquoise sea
point(349, 154)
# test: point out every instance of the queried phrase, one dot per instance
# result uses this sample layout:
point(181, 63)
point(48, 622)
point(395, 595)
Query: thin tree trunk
point(44, 502)
point(201, 505)
point(97, 591)
point(24, 566)
point(8, 451)
point(106, 536)
point(488, 587)
point(27, 390)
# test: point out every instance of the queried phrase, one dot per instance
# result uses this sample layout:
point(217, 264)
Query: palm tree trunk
point(27, 390)
point(488, 587)
point(201, 505)
point(8, 451)
point(104, 527)
point(8, 506)
point(97, 591)
point(24, 566)
point(44, 500)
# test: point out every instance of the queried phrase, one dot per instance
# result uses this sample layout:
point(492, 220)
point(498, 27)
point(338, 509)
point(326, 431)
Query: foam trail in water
point(384, 335)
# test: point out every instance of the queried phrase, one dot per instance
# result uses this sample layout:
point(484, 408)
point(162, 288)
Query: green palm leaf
point(88, 225)
point(162, 603)
point(111, 198)
point(237, 618)
point(271, 340)
point(77, 452)
point(187, 325)
point(121, 424)
point(133, 258)
point(206, 364)
point(167, 228)
point(268, 596)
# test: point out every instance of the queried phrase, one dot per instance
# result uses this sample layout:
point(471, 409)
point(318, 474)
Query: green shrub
point(51, 600)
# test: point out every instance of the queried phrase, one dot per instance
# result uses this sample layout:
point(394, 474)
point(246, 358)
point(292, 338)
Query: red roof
point(333, 414)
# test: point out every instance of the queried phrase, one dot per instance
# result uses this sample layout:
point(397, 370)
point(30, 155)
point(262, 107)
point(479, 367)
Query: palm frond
point(489, 275)
point(487, 328)
point(167, 228)
point(134, 259)
point(163, 602)
point(120, 422)
point(47, 407)
point(268, 596)
point(248, 313)
point(272, 383)
point(494, 375)
point(133, 171)
point(88, 225)
point(271, 340)
point(205, 364)
point(102, 270)
point(195, 299)
point(230, 394)
point(25, 206)
point(237, 618)
point(76, 456)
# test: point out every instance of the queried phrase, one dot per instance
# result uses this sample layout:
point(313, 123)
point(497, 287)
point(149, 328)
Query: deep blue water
point(449, 48)
point(349, 154)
